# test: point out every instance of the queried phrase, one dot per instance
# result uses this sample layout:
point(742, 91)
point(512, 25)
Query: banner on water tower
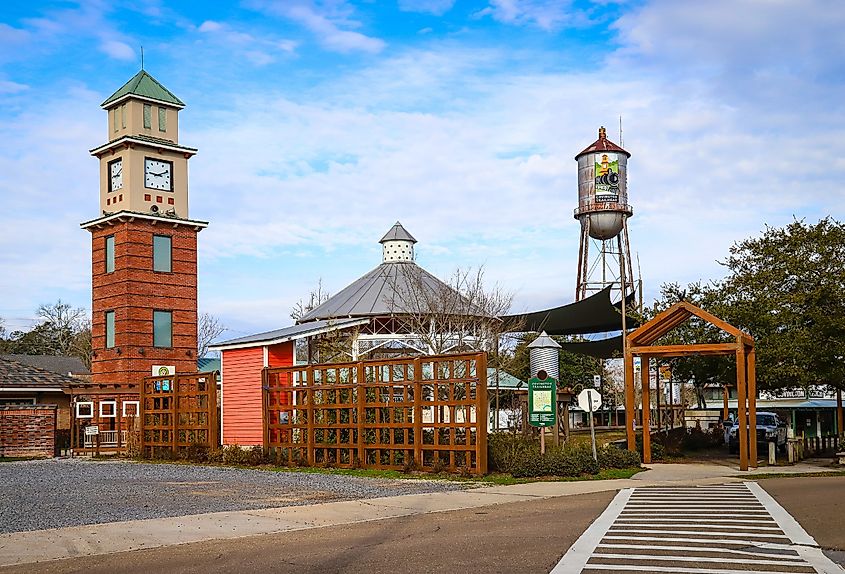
point(607, 177)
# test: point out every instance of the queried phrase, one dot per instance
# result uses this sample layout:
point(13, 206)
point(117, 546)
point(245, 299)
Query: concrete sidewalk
point(55, 544)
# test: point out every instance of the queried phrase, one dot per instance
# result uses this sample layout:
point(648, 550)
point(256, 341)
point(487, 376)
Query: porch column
point(752, 407)
point(644, 372)
point(630, 399)
point(741, 407)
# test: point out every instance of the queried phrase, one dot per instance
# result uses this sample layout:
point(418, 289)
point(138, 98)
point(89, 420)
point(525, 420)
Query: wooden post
point(482, 415)
point(751, 381)
point(840, 419)
point(309, 418)
point(725, 395)
point(630, 401)
point(361, 396)
point(644, 376)
point(657, 412)
point(741, 410)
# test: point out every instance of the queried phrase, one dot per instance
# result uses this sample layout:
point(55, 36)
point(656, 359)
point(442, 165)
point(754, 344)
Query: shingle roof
point(287, 333)
point(59, 365)
point(19, 375)
point(397, 233)
point(389, 289)
point(144, 85)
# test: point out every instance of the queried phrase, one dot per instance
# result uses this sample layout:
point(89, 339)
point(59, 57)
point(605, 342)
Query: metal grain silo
point(544, 354)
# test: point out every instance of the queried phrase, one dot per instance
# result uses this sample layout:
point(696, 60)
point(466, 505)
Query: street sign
point(589, 400)
point(596, 381)
point(92, 430)
point(542, 400)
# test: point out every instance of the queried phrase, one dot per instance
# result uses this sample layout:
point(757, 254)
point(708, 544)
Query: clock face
point(116, 175)
point(157, 174)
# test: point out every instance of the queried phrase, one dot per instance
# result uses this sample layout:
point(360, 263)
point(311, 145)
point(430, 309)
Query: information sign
point(542, 399)
point(92, 430)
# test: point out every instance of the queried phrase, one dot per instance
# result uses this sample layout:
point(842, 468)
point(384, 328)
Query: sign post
point(590, 401)
point(542, 404)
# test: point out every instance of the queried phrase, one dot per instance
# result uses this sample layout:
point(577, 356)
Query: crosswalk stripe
point(690, 529)
point(695, 549)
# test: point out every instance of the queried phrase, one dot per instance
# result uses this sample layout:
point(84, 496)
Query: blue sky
point(319, 124)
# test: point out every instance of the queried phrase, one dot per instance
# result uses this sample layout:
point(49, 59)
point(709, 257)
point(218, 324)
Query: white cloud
point(117, 50)
point(329, 24)
point(259, 50)
point(210, 26)
point(436, 7)
point(545, 14)
point(7, 87)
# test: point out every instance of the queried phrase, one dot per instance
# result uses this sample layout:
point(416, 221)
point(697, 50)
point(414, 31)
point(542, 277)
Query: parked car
point(770, 428)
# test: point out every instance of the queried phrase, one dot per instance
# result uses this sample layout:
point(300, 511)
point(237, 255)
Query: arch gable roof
point(674, 316)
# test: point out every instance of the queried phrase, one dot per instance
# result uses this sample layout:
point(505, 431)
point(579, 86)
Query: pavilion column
point(725, 396)
point(751, 359)
point(630, 400)
point(741, 407)
point(840, 419)
point(644, 376)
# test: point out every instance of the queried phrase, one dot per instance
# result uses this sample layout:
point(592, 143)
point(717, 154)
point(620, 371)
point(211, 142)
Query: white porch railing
point(107, 438)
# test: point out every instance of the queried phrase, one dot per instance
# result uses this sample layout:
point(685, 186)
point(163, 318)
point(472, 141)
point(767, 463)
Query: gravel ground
point(36, 495)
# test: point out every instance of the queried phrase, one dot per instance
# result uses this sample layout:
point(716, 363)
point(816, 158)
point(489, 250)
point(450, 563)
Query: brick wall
point(28, 430)
point(133, 291)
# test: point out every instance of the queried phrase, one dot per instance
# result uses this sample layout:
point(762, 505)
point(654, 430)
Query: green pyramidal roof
point(144, 85)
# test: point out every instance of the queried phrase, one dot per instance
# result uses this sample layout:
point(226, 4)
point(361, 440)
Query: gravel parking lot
point(35, 495)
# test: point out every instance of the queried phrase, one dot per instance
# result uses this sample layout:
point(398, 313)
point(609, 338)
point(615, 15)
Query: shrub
point(520, 456)
point(611, 456)
point(234, 454)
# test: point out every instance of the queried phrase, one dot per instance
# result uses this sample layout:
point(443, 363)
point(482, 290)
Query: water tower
point(604, 255)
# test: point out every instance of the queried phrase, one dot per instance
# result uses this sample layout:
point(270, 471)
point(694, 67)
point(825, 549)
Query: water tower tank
point(603, 188)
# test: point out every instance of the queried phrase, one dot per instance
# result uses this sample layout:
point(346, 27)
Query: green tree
point(787, 289)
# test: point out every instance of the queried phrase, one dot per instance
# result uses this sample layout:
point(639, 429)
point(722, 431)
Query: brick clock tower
point(143, 245)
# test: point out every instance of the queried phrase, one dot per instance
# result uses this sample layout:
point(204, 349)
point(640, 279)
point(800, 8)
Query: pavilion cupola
point(397, 244)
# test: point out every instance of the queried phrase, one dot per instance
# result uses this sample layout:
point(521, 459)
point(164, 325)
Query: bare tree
point(316, 298)
point(62, 323)
point(209, 328)
point(447, 317)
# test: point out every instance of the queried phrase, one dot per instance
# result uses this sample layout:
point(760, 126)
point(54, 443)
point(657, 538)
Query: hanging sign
point(542, 400)
point(92, 430)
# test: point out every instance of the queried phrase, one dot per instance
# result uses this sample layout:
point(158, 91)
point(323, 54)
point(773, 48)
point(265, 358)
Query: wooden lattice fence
point(178, 412)
point(427, 413)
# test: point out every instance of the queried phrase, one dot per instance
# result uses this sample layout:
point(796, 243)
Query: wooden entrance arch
point(641, 343)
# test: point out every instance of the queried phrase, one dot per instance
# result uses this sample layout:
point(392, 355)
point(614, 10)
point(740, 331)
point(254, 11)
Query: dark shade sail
point(601, 349)
point(595, 314)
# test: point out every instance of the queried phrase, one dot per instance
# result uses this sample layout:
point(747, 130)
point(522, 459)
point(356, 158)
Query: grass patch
point(796, 474)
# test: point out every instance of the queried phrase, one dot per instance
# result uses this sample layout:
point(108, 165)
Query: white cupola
point(397, 244)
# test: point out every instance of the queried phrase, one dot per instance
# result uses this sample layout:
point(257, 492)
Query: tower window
point(162, 119)
point(115, 113)
point(110, 254)
point(162, 328)
point(123, 116)
point(148, 116)
point(162, 253)
point(109, 329)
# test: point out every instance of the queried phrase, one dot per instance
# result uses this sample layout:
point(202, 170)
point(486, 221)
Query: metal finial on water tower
point(142, 57)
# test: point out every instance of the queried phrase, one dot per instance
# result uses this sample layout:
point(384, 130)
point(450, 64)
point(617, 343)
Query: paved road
point(527, 536)
point(725, 529)
point(506, 538)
